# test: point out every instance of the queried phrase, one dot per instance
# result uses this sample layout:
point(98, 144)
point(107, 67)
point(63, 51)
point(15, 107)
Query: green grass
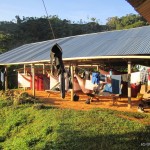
point(26, 128)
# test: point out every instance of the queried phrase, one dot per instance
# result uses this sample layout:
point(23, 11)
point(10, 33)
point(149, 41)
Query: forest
point(32, 29)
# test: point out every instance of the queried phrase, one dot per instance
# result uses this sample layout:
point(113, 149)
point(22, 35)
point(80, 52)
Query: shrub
point(4, 103)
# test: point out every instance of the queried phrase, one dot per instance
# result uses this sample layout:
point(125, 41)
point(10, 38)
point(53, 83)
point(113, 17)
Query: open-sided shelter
point(118, 48)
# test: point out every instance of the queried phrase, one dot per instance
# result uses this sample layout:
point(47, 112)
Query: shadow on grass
point(39, 106)
point(75, 140)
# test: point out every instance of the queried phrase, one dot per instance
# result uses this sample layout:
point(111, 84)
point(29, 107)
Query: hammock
point(53, 81)
point(82, 84)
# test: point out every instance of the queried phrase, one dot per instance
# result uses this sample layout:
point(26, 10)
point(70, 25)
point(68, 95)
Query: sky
point(73, 10)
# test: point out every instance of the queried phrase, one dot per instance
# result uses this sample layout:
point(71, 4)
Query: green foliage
point(5, 102)
point(32, 29)
point(126, 22)
point(4, 42)
point(50, 128)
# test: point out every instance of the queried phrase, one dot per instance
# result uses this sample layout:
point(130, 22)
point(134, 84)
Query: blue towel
point(108, 88)
point(95, 77)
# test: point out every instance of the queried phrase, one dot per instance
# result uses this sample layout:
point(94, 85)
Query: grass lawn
point(26, 127)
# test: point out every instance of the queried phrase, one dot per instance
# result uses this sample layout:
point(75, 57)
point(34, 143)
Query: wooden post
point(33, 79)
point(6, 79)
point(97, 68)
point(129, 84)
point(43, 68)
point(146, 85)
point(72, 79)
point(24, 67)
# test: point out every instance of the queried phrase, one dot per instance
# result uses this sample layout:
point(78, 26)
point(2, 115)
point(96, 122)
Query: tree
point(126, 22)
point(32, 29)
point(5, 40)
point(112, 23)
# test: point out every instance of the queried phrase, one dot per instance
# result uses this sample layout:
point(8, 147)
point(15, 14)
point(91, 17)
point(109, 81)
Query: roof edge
point(84, 58)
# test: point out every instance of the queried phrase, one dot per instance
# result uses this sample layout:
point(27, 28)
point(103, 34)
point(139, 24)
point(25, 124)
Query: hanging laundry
point(108, 88)
point(95, 77)
point(124, 77)
point(110, 72)
point(2, 70)
point(116, 84)
point(2, 77)
point(82, 84)
point(143, 75)
point(3, 74)
point(135, 77)
point(108, 79)
point(148, 72)
point(56, 54)
point(86, 75)
point(90, 86)
point(135, 89)
point(102, 77)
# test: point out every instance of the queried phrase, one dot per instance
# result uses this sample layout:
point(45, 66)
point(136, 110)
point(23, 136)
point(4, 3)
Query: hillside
point(41, 127)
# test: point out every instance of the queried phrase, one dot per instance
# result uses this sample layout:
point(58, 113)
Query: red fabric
point(148, 70)
point(39, 83)
point(135, 89)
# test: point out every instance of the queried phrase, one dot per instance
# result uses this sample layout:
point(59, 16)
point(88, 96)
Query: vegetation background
point(32, 29)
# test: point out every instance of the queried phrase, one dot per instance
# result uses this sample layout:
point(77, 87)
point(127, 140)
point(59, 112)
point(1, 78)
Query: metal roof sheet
point(134, 41)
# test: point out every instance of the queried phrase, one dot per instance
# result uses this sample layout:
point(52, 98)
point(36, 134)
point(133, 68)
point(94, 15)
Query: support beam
point(6, 79)
point(24, 69)
point(97, 67)
point(43, 68)
point(129, 84)
point(72, 79)
point(33, 79)
point(146, 86)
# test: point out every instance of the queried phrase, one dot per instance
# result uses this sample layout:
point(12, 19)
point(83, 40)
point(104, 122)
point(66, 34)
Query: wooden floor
point(55, 100)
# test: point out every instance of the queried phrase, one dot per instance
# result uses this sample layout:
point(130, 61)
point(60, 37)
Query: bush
point(5, 103)
point(38, 106)
point(2, 138)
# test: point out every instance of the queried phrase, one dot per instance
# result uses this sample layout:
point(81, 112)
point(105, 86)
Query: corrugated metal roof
point(113, 43)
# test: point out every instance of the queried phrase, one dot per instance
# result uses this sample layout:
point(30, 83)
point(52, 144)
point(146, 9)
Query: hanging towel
point(124, 77)
point(143, 75)
point(108, 88)
point(95, 77)
point(90, 86)
point(135, 77)
point(116, 84)
point(2, 77)
point(148, 72)
point(102, 77)
point(86, 75)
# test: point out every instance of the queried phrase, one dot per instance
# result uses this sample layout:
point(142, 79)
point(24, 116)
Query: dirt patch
point(55, 99)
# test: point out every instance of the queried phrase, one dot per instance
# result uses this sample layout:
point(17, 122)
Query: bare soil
point(55, 99)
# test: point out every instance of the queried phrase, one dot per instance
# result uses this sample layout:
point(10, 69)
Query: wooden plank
point(72, 78)
point(129, 84)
